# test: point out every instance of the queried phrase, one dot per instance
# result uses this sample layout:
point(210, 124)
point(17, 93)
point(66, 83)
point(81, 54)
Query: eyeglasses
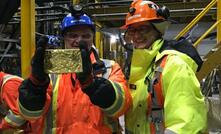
point(73, 36)
point(141, 31)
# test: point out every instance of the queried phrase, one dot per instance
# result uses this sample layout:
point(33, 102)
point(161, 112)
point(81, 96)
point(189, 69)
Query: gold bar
point(62, 61)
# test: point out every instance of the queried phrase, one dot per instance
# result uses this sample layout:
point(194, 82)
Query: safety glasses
point(140, 31)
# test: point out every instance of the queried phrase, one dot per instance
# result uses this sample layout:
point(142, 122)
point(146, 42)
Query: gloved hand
point(38, 76)
point(101, 92)
point(54, 41)
point(85, 77)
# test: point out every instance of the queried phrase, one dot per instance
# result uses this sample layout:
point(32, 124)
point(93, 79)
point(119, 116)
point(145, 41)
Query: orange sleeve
point(9, 96)
point(9, 93)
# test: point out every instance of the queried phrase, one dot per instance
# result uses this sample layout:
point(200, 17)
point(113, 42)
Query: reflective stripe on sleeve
point(29, 114)
point(119, 101)
point(14, 120)
point(5, 79)
point(51, 119)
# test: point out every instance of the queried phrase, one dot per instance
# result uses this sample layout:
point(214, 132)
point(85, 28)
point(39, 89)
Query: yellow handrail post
point(75, 2)
point(196, 19)
point(98, 36)
point(98, 43)
point(27, 35)
point(218, 18)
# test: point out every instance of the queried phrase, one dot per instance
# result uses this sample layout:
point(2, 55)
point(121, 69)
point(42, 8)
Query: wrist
point(39, 82)
point(84, 80)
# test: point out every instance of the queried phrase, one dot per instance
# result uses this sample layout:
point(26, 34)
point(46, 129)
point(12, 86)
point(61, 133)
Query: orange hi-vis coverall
point(10, 117)
point(68, 110)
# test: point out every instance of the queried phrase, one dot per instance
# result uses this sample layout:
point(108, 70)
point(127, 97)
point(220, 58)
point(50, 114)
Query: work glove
point(54, 42)
point(101, 92)
point(38, 76)
point(85, 77)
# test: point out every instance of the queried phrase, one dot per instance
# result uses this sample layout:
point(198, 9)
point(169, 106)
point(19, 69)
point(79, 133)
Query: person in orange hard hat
point(165, 92)
point(10, 119)
point(88, 102)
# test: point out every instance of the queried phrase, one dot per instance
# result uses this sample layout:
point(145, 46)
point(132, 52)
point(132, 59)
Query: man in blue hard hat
point(83, 103)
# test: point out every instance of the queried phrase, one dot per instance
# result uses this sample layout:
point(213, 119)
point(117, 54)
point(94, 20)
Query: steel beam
point(9, 40)
point(124, 9)
point(211, 61)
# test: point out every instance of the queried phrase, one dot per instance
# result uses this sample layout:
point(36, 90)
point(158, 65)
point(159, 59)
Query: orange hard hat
point(142, 10)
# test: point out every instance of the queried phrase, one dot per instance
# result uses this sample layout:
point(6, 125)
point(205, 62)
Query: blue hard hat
point(70, 21)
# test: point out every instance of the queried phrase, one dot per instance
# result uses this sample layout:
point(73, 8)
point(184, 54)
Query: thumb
point(86, 60)
point(83, 45)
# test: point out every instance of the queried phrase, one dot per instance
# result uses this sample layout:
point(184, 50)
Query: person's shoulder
point(177, 62)
point(175, 59)
point(183, 52)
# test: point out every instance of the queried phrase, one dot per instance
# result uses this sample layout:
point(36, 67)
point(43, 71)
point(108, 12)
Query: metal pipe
point(196, 19)
point(110, 14)
point(39, 20)
point(122, 14)
point(50, 19)
point(8, 55)
point(9, 40)
point(190, 10)
point(6, 51)
point(43, 15)
point(108, 3)
point(172, 11)
point(50, 8)
point(53, 14)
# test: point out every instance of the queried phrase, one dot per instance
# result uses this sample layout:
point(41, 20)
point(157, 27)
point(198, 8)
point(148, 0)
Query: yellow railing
point(206, 33)
point(196, 19)
point(27, 35)
point(212, 59)
point(76, 2)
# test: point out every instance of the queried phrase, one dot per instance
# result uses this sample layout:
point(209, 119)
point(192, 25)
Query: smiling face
point(75, 34)
point(141, 35)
